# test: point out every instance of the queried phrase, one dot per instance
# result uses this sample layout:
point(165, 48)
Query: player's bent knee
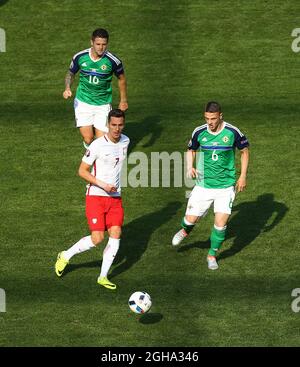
point(221, 222)
point(88, 140)
point(87, 134)
point(115, 235)
point(97, 238)
point(115, 232)
point(192, 218)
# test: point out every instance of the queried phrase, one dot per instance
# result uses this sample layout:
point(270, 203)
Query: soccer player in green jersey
point(92, 103)
point(215, 176)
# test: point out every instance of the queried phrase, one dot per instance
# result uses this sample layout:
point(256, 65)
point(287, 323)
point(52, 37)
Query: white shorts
point(202, 198)
point(90, 115)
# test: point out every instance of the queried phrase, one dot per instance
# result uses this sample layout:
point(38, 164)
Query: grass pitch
point(177, 57)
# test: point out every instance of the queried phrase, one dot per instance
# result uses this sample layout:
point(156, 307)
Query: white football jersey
point(106, 159)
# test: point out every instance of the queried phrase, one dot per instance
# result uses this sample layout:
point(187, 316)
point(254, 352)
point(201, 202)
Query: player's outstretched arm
point(123, 105)
point(242, 180)
point(68, 82)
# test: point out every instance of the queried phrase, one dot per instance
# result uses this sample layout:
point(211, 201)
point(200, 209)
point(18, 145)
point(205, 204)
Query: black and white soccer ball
point(140, 302)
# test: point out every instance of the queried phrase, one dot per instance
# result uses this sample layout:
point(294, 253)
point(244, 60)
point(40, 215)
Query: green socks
point(217, 237)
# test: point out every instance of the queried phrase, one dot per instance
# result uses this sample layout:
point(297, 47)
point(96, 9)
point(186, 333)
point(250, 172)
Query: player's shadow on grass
point(150, 318)
point(251, 219)
point(136, 131)
point(134, 241)
point(136, 236)
point(3, 2)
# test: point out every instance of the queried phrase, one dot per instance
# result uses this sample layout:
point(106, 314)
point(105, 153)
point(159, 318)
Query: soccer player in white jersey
point(96, 66)
point(101, 168)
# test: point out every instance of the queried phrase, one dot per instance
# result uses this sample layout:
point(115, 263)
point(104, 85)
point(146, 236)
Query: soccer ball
point(140, 302)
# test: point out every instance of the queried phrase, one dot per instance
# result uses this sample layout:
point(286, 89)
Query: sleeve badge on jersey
point(87, 153)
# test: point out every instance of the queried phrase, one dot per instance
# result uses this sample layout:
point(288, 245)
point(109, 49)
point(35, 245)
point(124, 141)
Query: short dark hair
point(116, 112)
point(213, 107)
point(101, 33)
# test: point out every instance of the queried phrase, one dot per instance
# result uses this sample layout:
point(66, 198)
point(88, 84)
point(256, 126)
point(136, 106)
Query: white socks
point(109, 254)
point(86, 243)
point(82, 245)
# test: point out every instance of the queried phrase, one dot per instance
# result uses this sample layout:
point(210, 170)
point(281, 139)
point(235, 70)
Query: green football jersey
point(216, 157)
point(95, 76)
